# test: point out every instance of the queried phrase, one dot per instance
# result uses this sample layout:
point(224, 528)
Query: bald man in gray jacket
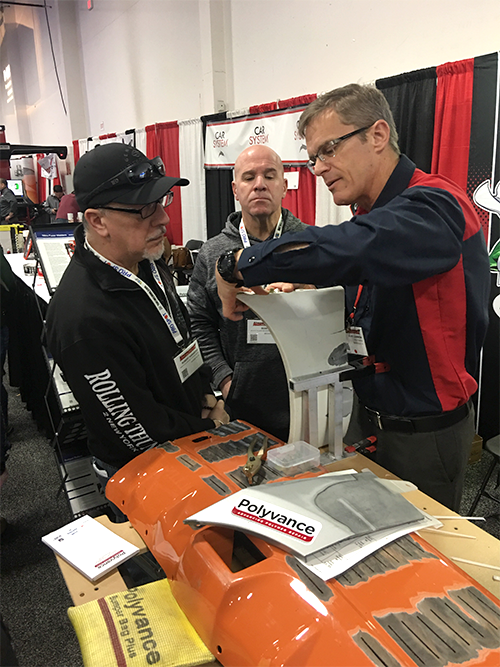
point(245, 361)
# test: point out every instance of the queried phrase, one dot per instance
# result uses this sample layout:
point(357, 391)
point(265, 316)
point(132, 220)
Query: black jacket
point(116, 354)
point(8, 204)
point(421, 257)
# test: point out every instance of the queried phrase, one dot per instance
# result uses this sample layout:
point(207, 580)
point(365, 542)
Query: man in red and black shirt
point(414, 258)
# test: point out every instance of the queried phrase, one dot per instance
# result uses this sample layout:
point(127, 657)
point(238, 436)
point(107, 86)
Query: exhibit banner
point(277, 129)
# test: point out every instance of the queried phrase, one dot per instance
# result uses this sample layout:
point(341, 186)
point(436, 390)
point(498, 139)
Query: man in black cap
point(115, 325)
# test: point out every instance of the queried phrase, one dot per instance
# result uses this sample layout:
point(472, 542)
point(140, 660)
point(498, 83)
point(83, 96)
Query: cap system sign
point(278, 129)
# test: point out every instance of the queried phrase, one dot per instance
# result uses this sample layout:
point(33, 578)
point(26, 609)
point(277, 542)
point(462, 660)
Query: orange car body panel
point(270, 613)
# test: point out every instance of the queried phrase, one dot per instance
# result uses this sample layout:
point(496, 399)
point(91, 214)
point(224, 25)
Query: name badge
point(258, 333)
point(188, 360)
point(356, 341)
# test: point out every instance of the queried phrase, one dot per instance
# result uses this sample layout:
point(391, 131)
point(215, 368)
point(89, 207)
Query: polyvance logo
point(285, 521)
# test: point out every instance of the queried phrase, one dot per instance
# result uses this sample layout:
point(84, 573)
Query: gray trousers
point(435, 462)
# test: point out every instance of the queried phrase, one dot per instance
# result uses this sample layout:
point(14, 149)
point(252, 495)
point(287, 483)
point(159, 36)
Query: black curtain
point(412, 98)
point(218, 190)
point(484, 164)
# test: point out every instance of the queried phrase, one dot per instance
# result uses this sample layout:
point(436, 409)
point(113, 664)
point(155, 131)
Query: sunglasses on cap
point(135, 175)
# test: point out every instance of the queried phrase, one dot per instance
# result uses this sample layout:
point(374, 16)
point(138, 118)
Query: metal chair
point(193, 246)
point(493, 446)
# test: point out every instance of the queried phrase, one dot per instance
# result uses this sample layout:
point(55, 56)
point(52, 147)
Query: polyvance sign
point(283, 520)
point(277, 129)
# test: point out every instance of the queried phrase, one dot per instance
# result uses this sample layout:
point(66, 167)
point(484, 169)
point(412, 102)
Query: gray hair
point(355, 105)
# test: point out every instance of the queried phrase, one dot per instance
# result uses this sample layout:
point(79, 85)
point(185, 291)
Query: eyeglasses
point(147, 210)
point(328, 149)
point(137, 173)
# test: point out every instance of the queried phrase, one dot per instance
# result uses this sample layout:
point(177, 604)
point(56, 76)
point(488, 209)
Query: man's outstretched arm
point(228, 292)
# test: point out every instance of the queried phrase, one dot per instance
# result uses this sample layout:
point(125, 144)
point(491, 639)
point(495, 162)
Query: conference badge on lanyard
point(356, 341)
point(188, 360)
point(355, 337)
point(258, 333)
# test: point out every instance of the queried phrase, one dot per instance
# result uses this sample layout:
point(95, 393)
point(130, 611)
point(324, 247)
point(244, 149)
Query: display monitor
point(16, 185)
point(54, 245)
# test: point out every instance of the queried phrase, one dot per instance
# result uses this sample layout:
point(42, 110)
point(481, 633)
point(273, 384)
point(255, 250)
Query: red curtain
point(296, 101)
point(263, 108)
point(302, 202)
point(167, 137)
point(151, 142)
point(4, 164)
point(452, 122)
point(76, 151)
point(40, 180)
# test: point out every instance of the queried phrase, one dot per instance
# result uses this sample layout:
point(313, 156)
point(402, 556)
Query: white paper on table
point(396, 485)
point(334, 473)
point(335, 560)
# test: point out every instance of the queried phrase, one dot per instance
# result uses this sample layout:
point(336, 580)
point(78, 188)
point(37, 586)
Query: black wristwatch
point(226, 265)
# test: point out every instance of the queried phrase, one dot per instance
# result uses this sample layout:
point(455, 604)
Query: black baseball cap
point(120, 173)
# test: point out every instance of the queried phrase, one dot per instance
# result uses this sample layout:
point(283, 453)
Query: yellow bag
point(138, 627)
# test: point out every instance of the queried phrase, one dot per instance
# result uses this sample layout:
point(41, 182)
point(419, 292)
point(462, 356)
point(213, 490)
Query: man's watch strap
point(226, 266)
